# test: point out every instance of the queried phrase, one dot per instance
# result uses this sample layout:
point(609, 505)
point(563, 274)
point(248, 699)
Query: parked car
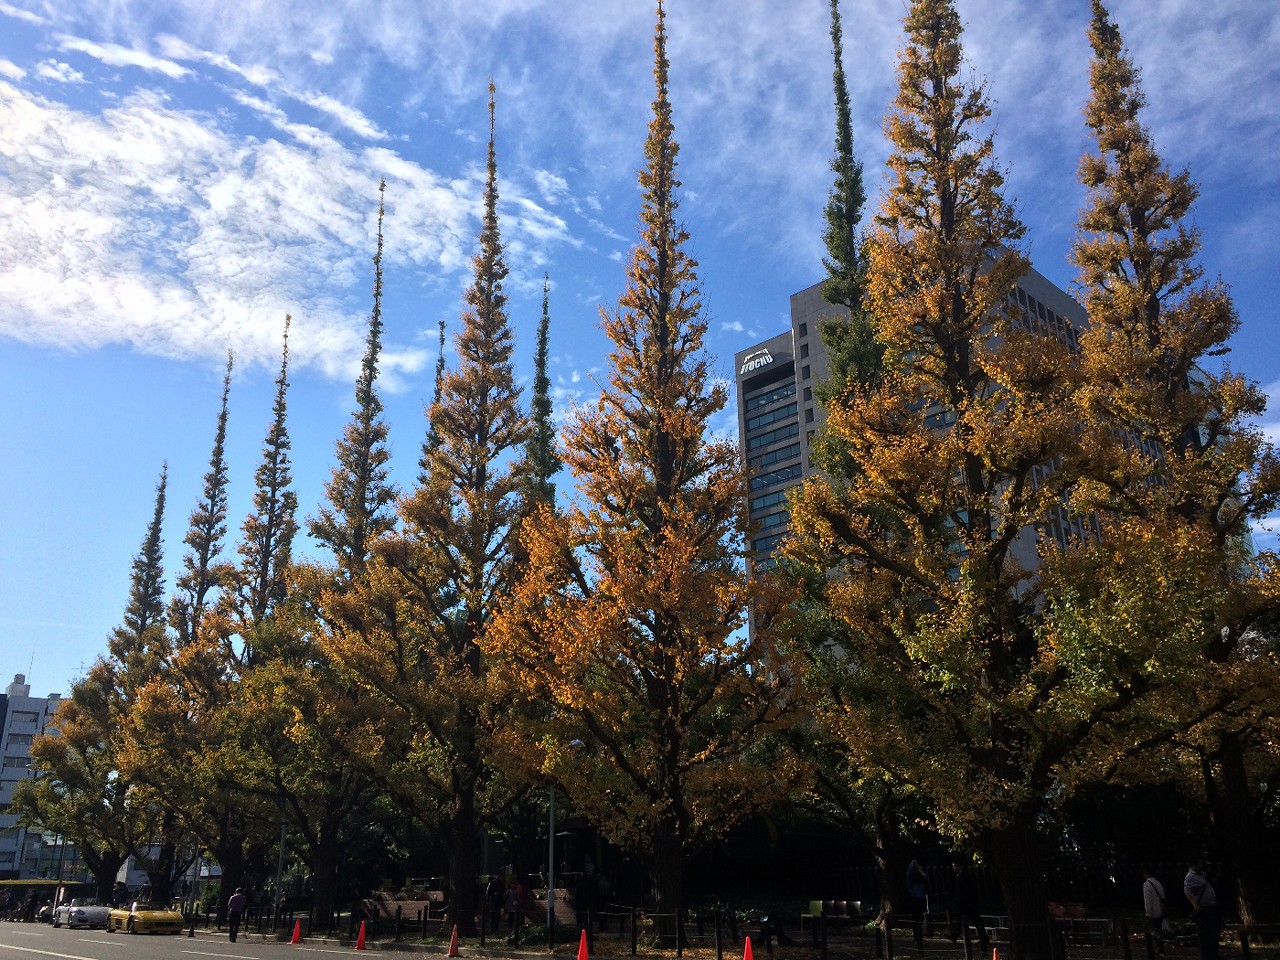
point(81, 912)
point(142, 916)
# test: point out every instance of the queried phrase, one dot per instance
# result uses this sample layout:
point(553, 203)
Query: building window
point(804, 329)
point(804, 350)
point(773, 436)
point(760, 544)
point(786, 390)
point(769, 500)
point(808, 415)
point(808, 394)
point(772, 416)
point(20, 739)
point(774, 520)
point(777, 456)
point(804, 372)
point(808, 438)
point(785, 475)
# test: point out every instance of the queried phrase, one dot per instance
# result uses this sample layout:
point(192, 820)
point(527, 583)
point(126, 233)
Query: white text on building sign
point(754, 361)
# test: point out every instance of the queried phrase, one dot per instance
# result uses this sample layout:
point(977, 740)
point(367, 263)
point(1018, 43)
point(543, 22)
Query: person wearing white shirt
point(1153, 905)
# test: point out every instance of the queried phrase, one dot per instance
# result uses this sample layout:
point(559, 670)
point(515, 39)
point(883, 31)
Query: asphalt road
point(37, 941)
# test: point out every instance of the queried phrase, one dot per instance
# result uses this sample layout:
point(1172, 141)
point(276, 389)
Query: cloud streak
point(151, 227)
point(114, 55)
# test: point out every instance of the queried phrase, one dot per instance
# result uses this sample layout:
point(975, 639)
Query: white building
point(24, 718)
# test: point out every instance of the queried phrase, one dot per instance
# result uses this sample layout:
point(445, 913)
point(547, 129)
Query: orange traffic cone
point(582, 946)
point(995, 953)
point(453, 943)
point(297, 932)
point(360, 938)
point(746, 952)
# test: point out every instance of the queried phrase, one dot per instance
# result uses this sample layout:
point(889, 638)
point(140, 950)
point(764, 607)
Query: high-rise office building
point(778, 414)
point(24, 718)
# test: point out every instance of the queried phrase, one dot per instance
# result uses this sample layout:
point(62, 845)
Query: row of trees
point(475, 638)
point(969, 685)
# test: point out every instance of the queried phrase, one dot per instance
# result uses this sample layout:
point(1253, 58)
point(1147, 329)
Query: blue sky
point(176, 176)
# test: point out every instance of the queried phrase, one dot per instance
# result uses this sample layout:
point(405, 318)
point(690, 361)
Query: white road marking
point(44, 953)
point(318, 949)
point(109, 943)
point(238, 956)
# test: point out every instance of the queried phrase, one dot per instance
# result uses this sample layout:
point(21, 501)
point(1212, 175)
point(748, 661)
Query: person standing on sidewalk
point(1199, 892)
point(235, 912)
point(918, 900)
point(1153, 905)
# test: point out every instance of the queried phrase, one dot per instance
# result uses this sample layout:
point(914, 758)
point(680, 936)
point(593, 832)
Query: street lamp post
point(275, 915)
point(551, 870)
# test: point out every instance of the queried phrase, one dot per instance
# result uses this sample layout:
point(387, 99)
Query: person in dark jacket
point(966, 903)
point(235, 912)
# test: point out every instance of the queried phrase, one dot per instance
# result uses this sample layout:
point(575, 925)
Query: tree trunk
point(231, 862)
point(667, 872)
point(463, 865)
point(105, 866)
point(326, 861)
point(161, 872)
point(1018, 860)
point(1230, 799)
point(892, 854)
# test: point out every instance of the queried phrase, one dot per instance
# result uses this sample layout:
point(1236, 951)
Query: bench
point(383, 907)
point(843, 911)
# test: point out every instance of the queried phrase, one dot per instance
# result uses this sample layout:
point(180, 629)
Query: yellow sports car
point(143, 917)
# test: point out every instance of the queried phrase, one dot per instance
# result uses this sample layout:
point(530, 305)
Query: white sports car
point(81, 912)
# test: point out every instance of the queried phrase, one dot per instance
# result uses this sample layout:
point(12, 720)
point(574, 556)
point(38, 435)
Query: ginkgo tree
point(629, 623)
point(410, 630)
point(1173, 465)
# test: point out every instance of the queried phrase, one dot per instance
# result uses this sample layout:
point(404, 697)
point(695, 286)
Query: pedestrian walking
point(1200, 893)
point(235, 912)
point(965, 904)
point(918, 900)
point(1154, 907)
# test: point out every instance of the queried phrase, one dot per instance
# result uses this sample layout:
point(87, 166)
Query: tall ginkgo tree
point(948, 455)
point(629, 624)
point(1174, 463)
point(412, 633)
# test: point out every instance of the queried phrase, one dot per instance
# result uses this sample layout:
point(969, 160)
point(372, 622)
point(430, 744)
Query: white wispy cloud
point(272, 80)
point(115, 55)
point(349, 117)
point(58, 71)
point(9, 10)
point(551, 186)
point(150, 227)
point(304, 133)
point(1266, 533)
point(161, 226)
point(11, 70)
point(178, 49)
